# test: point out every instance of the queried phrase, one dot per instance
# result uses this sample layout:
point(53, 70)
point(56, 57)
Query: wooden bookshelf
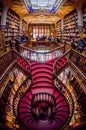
point(1, 31)
point(24, 26)
point(58, 30)
point(2, 39)
point(12, 24)
point(71, 27)
point(1, 9)
point(84, 20)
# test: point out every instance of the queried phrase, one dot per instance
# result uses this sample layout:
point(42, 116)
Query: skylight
point(42, 5)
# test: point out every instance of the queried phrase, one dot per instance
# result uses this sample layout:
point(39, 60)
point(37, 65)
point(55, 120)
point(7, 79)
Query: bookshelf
point(12, 24)
point(24, 26)
point(84, 20)
point(58, 30)
point(1, 30)
point(2, 39)
point(1, 9)
point(71, 27)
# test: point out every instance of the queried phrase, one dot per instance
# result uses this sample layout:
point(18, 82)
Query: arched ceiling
point(42, 16)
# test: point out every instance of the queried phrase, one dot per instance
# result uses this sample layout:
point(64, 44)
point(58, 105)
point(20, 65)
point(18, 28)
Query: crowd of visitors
point(14, 42)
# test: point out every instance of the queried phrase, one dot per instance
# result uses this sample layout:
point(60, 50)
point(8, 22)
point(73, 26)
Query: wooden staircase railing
point(74, 60)
point(8, 58)
point(41, 56)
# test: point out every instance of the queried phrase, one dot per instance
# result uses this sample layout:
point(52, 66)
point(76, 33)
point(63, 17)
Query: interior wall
point(52, 28)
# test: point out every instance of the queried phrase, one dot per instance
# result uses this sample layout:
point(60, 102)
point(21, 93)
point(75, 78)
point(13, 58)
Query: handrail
point(54, 65)
point(79, 60)
point(41, 56)
point(64, 90)
point(7, 59)
point(7, 70)
point(18, 54)
point(77, 69)
point(80, 77)
point(76, 58)
point(12, 65)
point(75, 51)
point(50, 50)
point(21, 90)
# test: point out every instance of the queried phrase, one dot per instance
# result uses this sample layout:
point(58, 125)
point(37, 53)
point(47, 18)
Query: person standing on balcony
point(22, 38)
point(52, 39)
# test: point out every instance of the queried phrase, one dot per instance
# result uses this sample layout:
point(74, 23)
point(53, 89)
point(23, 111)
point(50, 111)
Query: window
point(40, 31)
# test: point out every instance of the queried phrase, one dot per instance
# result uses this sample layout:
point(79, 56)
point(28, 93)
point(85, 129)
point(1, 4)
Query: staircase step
point(60, 98)
point(42, 89)
point(41, 78)
point(42, 74)
point(26, 105)
point(48, 66)
point(63, 103)
point(63, 59)
point(41, 83)
point(41, 70)
point(60, 63)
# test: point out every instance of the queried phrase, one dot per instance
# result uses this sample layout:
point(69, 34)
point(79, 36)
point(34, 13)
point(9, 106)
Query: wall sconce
point(51, 34)
point(31, 34)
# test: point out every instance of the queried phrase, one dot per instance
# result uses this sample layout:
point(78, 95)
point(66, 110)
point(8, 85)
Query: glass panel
point(48, 5)
point(41, 31)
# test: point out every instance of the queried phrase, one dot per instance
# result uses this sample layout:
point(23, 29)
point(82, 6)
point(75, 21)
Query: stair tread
point(40, 70)
point(42, 84)
point(44, 79)
point(41, 74)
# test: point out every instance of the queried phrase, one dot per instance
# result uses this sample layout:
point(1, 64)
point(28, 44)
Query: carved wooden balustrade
point(64, 90)
point(21, 90)
point(76, 62)
point(79, 60)
point(60, 63)
point(41, 55)
point(8, 87)
point(7, 59)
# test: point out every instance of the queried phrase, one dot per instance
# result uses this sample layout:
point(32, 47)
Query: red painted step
point(42, 74)
point(41, 78)
point(41, 70)
point(42, 83)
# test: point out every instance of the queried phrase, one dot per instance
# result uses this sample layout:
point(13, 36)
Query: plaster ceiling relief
point(41, 17)
point(19, 8)
point(65, 9)
point(62, 12)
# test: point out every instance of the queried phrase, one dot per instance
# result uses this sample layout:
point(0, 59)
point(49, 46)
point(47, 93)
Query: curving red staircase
point(43, 107)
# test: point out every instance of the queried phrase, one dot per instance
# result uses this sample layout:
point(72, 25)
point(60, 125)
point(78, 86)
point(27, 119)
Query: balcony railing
point(41, 55)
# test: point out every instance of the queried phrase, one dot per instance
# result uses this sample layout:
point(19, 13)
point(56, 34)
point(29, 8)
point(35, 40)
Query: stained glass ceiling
point(42, 5)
